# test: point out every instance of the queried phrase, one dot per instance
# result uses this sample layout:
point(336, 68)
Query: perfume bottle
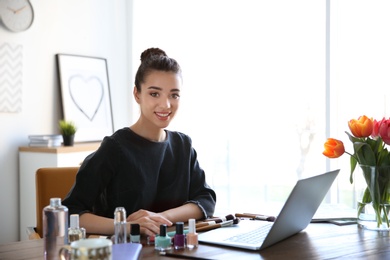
point(192, 236)
point(55, 227)
point(135, 235)
point(162, 242)
point(75, 232)
point(179, 238)
point(120, 225)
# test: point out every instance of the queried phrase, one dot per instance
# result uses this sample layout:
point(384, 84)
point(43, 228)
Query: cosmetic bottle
point(179, 238)
point(135, 235)
point(162, 242)
point(120, 225)
point(192, 236)
point(55, 227)
point(75, 232)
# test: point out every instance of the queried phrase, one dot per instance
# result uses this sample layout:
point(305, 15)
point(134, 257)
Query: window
point(359, 72)
point(255, 86)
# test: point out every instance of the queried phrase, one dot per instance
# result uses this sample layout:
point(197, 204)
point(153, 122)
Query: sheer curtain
point(254, 94)
point(359, 69)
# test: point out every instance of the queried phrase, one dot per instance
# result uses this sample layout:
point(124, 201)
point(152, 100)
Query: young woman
point(152, 172)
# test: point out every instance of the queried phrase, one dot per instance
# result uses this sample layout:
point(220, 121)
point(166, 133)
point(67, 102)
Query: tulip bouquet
point(369, 138)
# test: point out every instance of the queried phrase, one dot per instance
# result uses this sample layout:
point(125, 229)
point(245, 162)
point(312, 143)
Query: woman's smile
point(163, 115)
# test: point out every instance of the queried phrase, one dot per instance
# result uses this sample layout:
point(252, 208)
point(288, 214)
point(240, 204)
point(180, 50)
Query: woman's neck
point(155, 135)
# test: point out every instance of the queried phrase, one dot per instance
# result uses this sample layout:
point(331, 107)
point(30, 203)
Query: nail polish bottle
point(179, 238)
point(75, 232)
point(135, 236)
point(162, 242)
point(150, 240)
point(192, 236)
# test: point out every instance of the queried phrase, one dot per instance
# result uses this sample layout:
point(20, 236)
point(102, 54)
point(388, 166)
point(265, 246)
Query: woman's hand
point(149, 221)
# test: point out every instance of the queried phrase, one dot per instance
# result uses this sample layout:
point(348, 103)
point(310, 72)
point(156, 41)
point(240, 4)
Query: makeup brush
point(203, 224)
point(209, 224)
point(219, 220)
point(218, 225)
point(255, 216)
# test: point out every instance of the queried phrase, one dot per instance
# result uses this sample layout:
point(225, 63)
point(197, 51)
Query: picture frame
point(85, 95)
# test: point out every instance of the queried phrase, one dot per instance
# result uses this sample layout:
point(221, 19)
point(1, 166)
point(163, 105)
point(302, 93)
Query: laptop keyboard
point(252, 237)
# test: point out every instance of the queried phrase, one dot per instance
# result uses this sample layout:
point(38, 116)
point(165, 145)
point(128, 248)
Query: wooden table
point(317, 241)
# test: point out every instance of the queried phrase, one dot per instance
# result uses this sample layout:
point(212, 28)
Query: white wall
point(97, 28)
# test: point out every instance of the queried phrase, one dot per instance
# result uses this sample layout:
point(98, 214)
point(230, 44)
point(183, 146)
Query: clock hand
point(19, 10)
point(12, 10)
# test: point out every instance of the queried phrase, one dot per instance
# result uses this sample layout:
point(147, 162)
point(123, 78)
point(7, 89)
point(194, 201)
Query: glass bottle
point(120, 225)
point(192, 236)
point(179, 238)
point(55, 227)
point(135, 235)
point(75, 232)
point(162, 242)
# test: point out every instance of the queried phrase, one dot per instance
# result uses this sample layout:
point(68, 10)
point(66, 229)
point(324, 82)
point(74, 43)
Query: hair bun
point(152, 52)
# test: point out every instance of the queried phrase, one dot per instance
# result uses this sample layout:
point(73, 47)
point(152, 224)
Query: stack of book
point(45, 140)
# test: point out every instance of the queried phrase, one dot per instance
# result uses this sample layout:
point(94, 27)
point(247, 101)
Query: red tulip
point(333, 148)
point(384, 131)
point(361, 127)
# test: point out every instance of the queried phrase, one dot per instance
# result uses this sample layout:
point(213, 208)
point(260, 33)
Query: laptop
point(295, 215)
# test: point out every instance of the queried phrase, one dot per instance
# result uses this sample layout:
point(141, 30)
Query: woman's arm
point(94, 224)
point(183, 213)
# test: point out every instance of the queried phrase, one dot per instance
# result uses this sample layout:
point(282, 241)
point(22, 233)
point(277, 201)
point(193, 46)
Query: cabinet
point(33, 158)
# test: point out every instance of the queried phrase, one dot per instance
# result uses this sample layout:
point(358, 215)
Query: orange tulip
point(333, 148)
point(361, 127)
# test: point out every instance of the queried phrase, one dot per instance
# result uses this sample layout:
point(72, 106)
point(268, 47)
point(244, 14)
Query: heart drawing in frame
point(87, 94)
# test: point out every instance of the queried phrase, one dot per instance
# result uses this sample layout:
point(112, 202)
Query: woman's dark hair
point(154, 59)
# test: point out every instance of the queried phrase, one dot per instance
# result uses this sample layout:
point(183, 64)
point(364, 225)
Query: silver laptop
point(296, 214)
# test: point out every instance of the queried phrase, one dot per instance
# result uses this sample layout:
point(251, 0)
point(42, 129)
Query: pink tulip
point(375, 130)
point(384, 131)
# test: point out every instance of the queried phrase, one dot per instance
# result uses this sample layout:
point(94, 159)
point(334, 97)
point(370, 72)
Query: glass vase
point(373, 205)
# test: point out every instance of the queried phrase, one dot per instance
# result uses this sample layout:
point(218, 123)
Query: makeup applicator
point(219, 220)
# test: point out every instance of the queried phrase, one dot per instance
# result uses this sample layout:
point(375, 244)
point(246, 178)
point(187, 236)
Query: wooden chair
point(53, 182)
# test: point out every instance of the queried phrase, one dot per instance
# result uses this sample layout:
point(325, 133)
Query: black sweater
point(132, 172)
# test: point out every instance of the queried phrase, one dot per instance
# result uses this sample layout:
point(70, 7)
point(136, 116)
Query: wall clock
point(16, 15)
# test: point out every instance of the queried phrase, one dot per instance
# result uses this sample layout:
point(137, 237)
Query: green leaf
point(352, 138)
point(383, 158)
point(67, 127)
point(353, 163)
point(364, 154)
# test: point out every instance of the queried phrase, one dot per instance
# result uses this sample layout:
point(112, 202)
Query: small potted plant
point(68, 130)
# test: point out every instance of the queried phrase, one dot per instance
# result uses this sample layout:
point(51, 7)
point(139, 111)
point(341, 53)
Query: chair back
point(53, 182)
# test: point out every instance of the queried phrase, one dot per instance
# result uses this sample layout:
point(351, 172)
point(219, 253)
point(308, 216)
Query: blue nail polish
point(135, 236)
point(162, 242)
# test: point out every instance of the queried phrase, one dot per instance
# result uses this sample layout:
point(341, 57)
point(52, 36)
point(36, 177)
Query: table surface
point(317, 241)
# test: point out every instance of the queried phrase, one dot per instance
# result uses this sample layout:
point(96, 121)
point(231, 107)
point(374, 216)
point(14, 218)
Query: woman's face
point(159, 98)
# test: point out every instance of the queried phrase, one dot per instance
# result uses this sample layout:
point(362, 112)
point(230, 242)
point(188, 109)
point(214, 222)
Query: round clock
point(16, 15)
